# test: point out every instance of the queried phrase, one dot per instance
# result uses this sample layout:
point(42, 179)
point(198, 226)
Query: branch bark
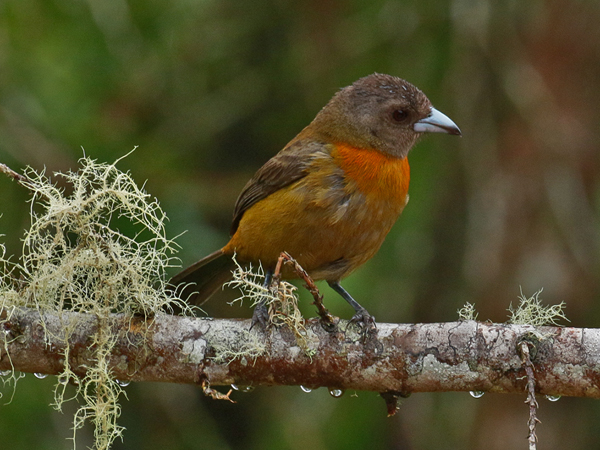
point(401, 359)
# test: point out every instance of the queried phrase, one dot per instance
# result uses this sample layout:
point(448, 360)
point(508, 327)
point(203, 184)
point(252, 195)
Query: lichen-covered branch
point(401, 359)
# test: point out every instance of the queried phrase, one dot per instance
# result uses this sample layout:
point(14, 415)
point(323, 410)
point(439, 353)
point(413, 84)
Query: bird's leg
point(362, 316)
point(261, 312)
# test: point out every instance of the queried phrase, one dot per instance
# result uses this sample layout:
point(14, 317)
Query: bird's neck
point(374, 172)
point(328, 128)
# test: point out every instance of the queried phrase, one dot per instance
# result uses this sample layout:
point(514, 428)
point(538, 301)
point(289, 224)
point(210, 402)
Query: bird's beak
point(436, 122)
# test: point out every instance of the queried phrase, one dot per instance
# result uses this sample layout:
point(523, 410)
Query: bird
point(331, 195)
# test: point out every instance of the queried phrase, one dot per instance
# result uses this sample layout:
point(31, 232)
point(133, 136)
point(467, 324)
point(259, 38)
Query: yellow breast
point(332, 220)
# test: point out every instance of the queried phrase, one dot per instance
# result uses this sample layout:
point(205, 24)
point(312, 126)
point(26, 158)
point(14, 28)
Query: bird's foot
point(366, 321)
point(329, 325)
point(260, 316)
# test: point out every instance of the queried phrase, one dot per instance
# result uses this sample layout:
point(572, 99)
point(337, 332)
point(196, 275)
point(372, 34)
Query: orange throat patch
point(375, 173)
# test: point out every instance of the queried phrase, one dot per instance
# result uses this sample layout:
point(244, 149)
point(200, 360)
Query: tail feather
point(201, 280)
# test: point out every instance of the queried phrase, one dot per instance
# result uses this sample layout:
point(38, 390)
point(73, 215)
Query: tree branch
point(401, 359)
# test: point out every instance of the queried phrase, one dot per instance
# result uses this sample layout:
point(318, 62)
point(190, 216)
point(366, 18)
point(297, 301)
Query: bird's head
point(382, 112)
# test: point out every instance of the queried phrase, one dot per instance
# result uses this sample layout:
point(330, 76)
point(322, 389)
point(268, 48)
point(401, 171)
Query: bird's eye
point(399, 115)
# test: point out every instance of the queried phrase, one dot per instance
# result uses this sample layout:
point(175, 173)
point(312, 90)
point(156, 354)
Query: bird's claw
point(260, 316)
point(366, 321)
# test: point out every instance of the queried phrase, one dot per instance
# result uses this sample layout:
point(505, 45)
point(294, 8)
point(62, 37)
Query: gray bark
point(401, 359)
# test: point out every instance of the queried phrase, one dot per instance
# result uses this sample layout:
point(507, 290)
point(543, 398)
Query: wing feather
point(288, 166)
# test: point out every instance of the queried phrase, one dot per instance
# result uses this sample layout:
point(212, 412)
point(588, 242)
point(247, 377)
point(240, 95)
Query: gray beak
point(436, 122)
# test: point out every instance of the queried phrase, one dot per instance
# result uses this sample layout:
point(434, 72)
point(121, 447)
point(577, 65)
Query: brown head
point(382, 112)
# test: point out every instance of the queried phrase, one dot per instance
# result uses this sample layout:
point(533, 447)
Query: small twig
point(216, 395)
point(11, 173)
point(392, 401)
point(533, 404)
point(309, 284)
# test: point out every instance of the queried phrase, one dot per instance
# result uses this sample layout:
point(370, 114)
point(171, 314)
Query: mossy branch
point(402, 359)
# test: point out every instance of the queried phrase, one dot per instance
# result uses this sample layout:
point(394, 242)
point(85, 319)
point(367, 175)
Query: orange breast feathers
point(377, 175)
point(333, 219)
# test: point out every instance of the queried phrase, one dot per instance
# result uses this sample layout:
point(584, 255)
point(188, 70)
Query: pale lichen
point(531, 311)
point(97, 245)
point(467, 312)
point(280, 298)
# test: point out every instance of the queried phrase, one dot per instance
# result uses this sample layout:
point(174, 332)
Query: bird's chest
point(333, 219)
point(372, 189)
point(352, 198)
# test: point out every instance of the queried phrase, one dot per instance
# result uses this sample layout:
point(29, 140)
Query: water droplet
point(337, 393)
point(41, 376)
point(553, 398)
point(123, 383)
point(242, 388)
point(306, 389)
point(5, 373)
point(63, 379)
point(476, 394)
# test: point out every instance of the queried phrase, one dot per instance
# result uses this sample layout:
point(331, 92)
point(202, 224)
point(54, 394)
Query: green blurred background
point(209, 90)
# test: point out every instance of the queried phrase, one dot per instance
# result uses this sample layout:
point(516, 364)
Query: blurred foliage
point(211, 89)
